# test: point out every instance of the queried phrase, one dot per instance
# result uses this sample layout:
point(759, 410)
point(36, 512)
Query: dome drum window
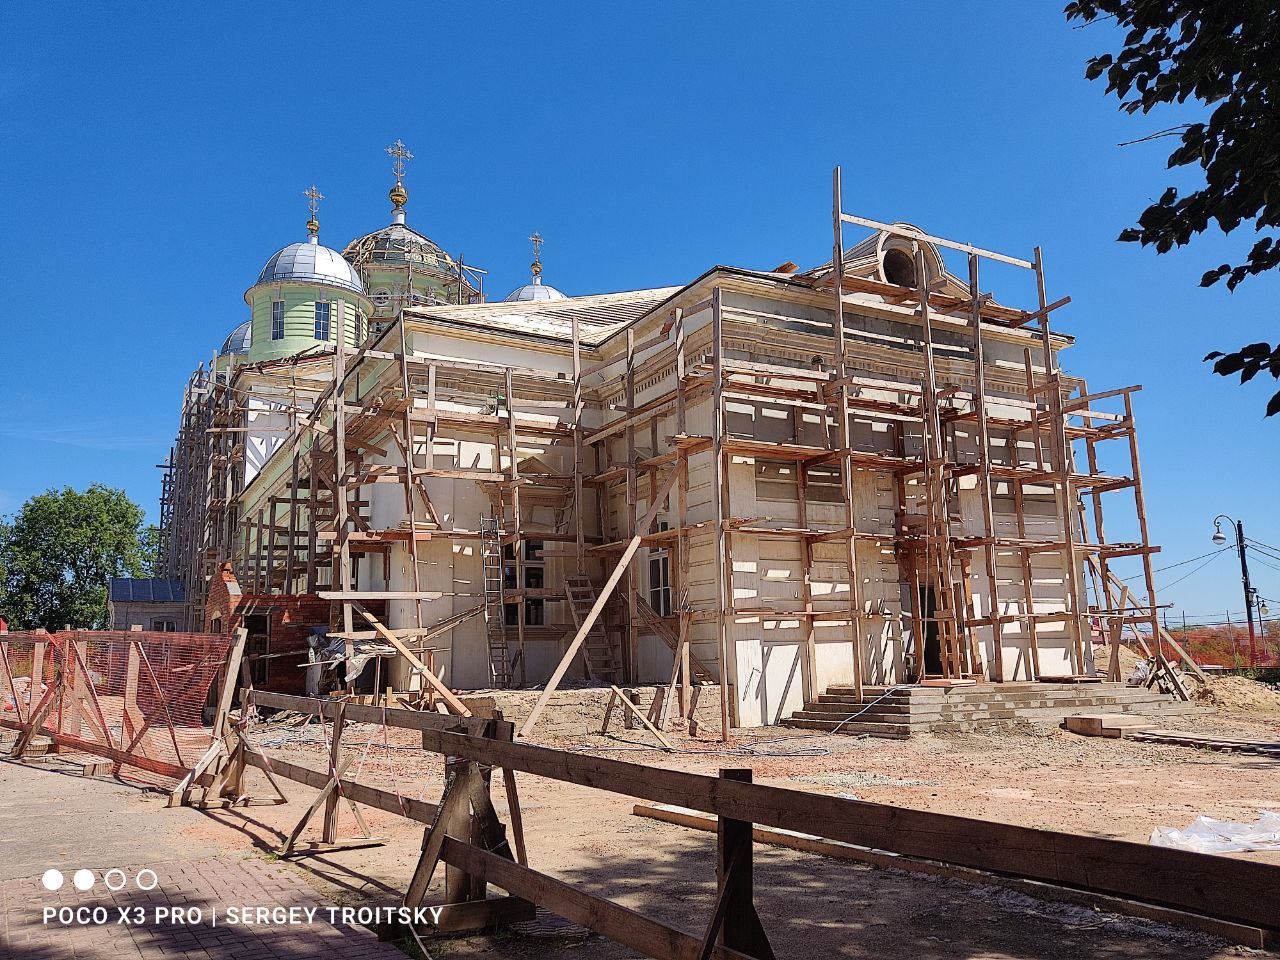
point(323, 316)
point(277, 319)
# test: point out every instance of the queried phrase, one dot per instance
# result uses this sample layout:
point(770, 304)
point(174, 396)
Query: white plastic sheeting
point(1206, 835)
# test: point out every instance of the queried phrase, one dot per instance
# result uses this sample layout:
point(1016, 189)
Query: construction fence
point(142, 700)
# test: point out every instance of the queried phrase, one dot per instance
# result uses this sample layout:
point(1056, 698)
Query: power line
point(1212, 558)
point(1261, 544)
point(1180, 563)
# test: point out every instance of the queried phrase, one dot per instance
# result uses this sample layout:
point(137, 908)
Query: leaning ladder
point(494, 602)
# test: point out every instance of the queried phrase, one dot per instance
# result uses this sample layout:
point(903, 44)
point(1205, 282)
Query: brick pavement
point(216, 882)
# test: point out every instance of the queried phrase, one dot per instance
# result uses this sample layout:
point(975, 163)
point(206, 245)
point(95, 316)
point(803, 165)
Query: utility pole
point(1244, 578)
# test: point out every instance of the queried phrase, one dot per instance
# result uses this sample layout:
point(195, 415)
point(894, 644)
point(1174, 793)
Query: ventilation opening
point(899, 268)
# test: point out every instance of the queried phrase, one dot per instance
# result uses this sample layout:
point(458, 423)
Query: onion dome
point(536, 289)
point(311, 262)
point(238, 341)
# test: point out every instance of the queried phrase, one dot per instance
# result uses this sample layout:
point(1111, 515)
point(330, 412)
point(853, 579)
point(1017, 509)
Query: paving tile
point(211, 882)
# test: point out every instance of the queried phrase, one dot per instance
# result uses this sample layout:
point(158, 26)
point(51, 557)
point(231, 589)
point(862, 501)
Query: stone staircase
point(898, 713)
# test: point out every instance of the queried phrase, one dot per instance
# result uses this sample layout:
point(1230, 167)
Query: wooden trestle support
point(462, 830)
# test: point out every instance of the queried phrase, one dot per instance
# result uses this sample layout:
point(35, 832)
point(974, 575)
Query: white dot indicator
point(52, 880)
point(83, 880)
point(115, 879)
point(149, 884)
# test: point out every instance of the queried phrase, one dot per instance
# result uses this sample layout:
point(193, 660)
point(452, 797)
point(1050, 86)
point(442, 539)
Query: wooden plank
point(456, 705)
point(628, 705)
point(406, 807)
point(359, 713)
point(911, 233)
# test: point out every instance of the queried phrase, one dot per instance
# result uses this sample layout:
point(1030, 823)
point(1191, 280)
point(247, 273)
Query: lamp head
point(1219, 537)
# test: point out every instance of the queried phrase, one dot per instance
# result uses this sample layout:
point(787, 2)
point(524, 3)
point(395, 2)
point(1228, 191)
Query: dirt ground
point(1035, 775)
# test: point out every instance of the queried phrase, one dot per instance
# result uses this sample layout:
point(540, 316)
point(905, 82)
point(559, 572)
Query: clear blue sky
point(153, 157)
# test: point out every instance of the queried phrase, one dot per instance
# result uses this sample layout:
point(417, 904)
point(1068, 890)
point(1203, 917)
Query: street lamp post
point(1220, 538)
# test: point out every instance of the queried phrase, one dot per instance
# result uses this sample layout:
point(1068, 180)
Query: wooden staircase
point(671, 637)
point(602, 655)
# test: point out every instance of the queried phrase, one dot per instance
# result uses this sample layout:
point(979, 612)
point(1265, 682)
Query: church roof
point(534, 291)
point(311, 262)
point(599, 316)
point(398, 243)
point(239, 340)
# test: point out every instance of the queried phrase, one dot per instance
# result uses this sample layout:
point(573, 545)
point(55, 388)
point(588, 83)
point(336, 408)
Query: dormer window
point(899, 268)
point(277, 319)
point(322, 320)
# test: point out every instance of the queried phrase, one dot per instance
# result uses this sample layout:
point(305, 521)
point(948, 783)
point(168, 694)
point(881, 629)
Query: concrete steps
point(902, 711)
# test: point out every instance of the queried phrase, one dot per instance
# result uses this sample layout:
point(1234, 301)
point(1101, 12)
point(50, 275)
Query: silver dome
point(534, 291)
point(239, 340)
point(311, 263)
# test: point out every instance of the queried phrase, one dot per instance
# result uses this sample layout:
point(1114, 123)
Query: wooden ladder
point(495, 617)
point(940, 569)
point(602, 655)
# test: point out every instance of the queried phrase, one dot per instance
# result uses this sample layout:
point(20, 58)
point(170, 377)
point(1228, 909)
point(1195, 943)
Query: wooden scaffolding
point(578, 473)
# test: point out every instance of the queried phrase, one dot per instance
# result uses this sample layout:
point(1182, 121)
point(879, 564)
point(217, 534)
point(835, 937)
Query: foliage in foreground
point(1225, 56)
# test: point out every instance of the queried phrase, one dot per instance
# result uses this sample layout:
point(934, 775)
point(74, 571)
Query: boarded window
point(775, 480)
point(823, 485)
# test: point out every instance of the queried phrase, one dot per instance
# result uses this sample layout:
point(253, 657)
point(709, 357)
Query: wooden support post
point(1066, 495)
point(724, 571)
point(680, 592)
point(995, 668)
point(844, 436)
point(579, 502)
point(517, 546)
point(735, 925)
point(330, 829)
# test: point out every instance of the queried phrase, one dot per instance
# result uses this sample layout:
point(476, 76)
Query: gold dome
point(313, 226)
point(398, 195)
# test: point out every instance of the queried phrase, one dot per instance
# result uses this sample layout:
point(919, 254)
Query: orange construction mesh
point(141, 700)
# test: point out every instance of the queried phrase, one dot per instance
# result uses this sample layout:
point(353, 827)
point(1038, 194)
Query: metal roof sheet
point(146, 590)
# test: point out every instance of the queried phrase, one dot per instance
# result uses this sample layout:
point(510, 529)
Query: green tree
point(1224, 55)
point(57, 553)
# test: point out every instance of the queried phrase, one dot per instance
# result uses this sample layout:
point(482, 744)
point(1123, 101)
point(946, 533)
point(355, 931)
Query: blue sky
point(153, 158)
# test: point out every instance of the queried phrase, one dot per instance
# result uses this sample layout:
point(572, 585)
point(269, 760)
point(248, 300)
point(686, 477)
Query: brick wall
point(291, 618)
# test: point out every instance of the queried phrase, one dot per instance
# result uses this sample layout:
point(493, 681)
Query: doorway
point(932, 648)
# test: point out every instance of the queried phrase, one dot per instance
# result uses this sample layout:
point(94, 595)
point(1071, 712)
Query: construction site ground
point(1035, 775)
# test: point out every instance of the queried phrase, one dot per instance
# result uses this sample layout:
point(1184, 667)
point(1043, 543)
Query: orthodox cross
point(536, 240)
point(314, 196)
point(401, 154)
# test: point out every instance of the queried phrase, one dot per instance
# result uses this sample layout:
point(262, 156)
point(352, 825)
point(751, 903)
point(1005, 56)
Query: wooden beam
point(598, 607)
point(456, 705)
